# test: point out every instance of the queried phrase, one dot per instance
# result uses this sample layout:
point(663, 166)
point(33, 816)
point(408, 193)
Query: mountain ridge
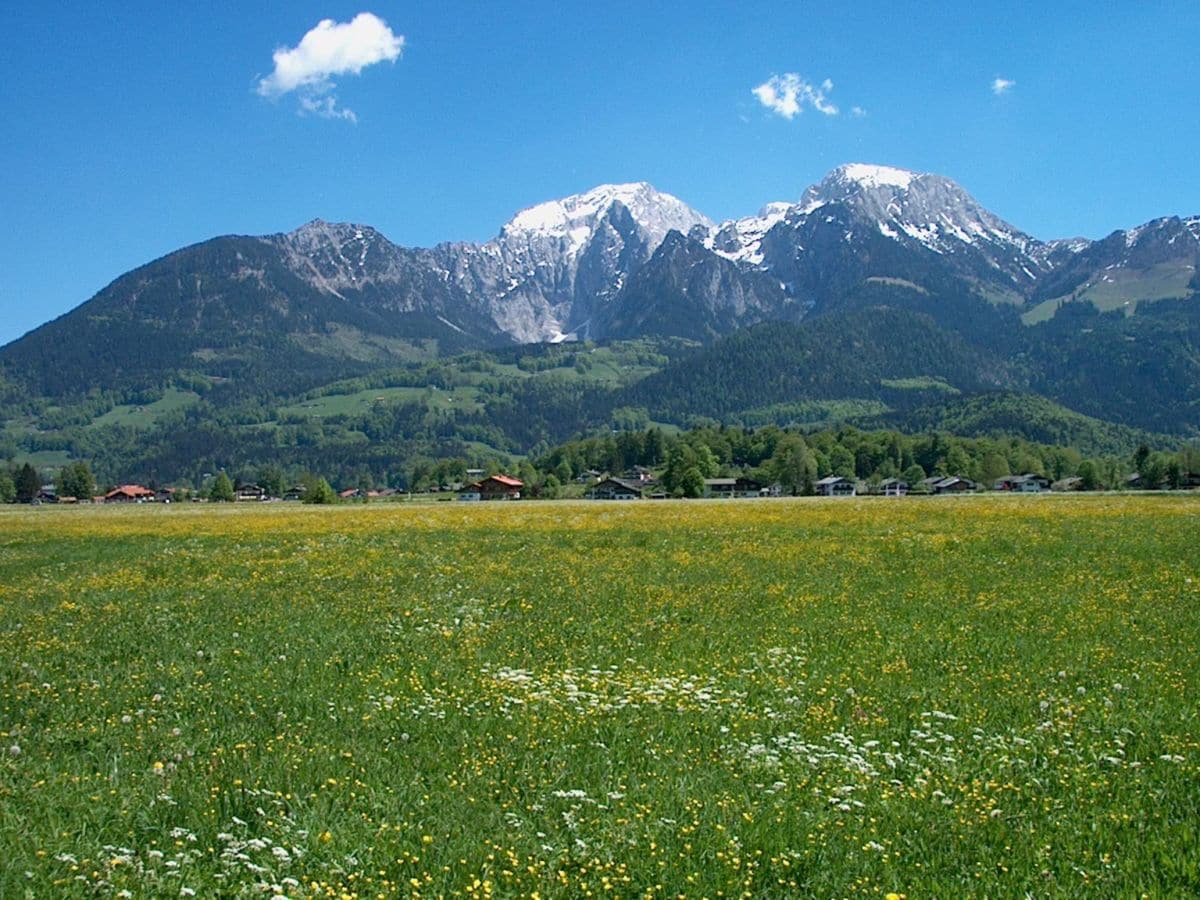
point(260, 315)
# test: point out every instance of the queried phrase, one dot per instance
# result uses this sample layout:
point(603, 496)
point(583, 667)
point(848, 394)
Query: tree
point(318, 491)
point(1140, 458)
point(271, 480)
point(551, 487)
point(841, 461)
point(992, 467)
point(27, 484)
point(1173, 472)
point(562, 472)
point(221, 490)
point(792, 463)
point(1089, 478)
point(691, 484)
point(76, 480)
point(8, 490)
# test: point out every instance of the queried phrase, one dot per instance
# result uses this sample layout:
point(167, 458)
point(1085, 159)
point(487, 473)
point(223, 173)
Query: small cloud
point(326, 108)
point(330, 48)
point(1001, 86)
point(858, 112)
point(786, 95)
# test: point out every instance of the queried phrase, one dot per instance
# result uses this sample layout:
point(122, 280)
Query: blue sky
point(133, 129)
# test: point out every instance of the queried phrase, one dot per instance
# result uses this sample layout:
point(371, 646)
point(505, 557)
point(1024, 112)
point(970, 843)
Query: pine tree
point(27, 483)
point(221, 490)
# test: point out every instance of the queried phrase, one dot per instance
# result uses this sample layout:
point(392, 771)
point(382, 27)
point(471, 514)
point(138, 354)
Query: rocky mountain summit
point(619, 261)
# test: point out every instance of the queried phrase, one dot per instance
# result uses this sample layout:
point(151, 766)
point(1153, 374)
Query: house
point(165, 495)
point(46, 494)
point(351, 494)
point(247, 492)
point(640, 474)
point(953, 484)
point(129, 493)
point(719, 487)
point(1071, 483)
point(1191, 481)
point(925, 485)
point(497, 487)
point(1029, 483)
point(836, 486)
point(591, 476)
point(294, 493)
point(615, 489)
point(1136, 482)
point(893, 487)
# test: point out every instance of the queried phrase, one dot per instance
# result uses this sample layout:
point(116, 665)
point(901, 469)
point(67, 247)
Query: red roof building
point(129, 493)
point(498, 487)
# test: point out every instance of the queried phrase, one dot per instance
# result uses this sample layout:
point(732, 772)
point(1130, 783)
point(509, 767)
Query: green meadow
point(940, 697)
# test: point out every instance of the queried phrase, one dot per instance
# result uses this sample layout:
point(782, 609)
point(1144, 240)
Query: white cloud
point(1002, 86)
point(858, 112)
point(330, 48)
point(786, 95)
point(326, 108)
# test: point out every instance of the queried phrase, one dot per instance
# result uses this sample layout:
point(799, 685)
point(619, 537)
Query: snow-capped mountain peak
point(575, 219)
point(869, 176)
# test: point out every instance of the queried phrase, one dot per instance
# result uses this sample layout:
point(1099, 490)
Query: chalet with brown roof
point(250, 492)
point(497, 487)
point(616, 489)
point(129, 493)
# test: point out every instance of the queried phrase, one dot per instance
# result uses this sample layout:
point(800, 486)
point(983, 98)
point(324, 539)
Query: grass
point(943, 697)
point(920, 383)
point(359, 402)
point(1122, 289)
point(146, 416)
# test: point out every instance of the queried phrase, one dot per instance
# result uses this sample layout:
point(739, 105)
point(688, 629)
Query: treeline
point(789, 457)
point(796, 460)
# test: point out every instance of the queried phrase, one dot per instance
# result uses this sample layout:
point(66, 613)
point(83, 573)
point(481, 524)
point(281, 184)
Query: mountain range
point(1109, 328)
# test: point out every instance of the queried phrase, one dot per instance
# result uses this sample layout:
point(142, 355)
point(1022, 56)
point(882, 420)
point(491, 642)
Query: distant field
point(934, 697)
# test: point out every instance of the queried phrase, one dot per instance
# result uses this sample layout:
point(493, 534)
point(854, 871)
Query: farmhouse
point(1028, 483)
point(893, 487)
point(294, 493)
point(836, 486)
point(129, 493)
point(615, 489)
point(1071, 483)
point(247, 492)
point(719, 487)
point(496, 487)
point(734, 487)
point(953, 484)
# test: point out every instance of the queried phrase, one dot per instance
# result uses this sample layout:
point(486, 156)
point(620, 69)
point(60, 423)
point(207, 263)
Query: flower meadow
point(940, 697)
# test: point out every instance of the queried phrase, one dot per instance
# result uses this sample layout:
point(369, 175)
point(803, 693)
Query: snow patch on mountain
point(741, 239)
